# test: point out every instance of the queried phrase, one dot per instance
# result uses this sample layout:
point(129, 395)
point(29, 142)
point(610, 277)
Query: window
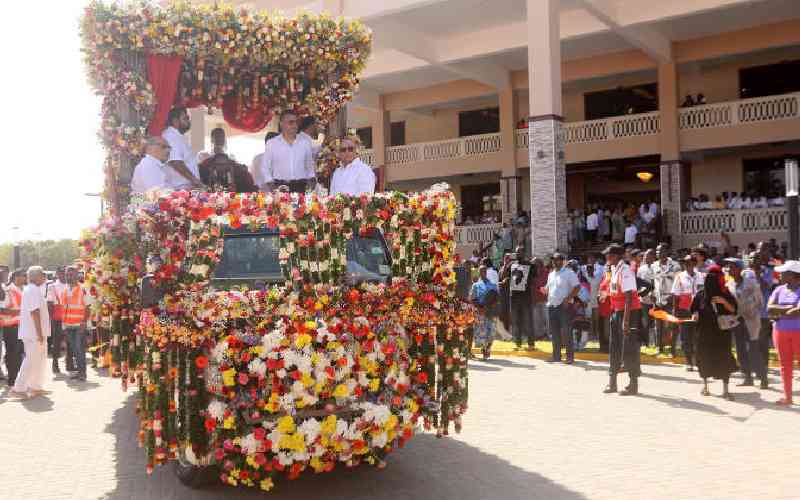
point(480, 200)
point(249, 255)
point(365, 134)
point(764, 177)
point(772, 79)
point(398, 134)
point(479, 121)
point(621, 101)
point(368, 258)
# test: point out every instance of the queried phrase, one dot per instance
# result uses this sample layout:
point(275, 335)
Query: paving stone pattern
point(534, 431)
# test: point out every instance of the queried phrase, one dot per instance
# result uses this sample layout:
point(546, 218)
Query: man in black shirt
point(520, 285)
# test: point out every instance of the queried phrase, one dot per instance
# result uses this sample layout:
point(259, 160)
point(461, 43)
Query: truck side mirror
point(150, 294)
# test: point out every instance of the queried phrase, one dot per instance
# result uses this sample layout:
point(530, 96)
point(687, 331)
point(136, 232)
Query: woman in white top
point(354, 177)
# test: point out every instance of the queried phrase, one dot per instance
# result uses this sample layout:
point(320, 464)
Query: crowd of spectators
point(731, 200)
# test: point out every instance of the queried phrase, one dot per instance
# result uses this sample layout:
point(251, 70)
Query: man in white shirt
point(630, 234)
point(55, 309)
point(734, 202)
point(151, 173)
point(184, 173)
point(288, 160)
point(591, 226)
point(255, 167)
point(308, 132)
point(34, 329)
point(355, 177)
point(686, 285)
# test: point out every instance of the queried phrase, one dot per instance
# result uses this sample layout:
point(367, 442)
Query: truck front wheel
point(194, 476)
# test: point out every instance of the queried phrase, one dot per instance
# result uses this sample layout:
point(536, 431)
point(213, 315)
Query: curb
point(646, 359)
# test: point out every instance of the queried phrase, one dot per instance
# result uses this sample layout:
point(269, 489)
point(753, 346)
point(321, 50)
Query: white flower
point(217, 410)
point(258, 367)
point(249, 444)
point(310, 428)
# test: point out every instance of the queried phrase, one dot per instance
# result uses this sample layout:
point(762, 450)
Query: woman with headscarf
point(714, 356)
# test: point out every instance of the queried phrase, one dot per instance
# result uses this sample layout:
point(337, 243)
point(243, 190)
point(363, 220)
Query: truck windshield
point(255, 256)
point(249, 256)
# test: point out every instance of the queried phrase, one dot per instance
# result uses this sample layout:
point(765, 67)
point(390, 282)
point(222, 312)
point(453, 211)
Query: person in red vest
point(74, 322)
point(55, 309)
point(9, 322)
point(624, 341)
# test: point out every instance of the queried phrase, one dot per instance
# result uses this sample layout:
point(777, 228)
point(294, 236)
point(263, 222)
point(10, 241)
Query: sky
point(51, 117)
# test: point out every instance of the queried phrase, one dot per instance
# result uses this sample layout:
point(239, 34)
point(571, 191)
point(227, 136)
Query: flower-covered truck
point(272, 334)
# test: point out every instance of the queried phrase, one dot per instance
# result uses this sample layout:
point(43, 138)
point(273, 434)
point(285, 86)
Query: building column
point(545, 130)
point(197, 134)
point(509, 180)
point(381, 134)
point(672, 170)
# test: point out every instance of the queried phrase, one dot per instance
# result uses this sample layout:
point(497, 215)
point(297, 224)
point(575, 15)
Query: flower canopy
point(252, 65)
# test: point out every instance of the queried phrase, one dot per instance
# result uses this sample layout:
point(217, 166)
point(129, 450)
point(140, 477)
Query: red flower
point(243, 378)
point(422, 377)
point(210, 424)
point(201, 362)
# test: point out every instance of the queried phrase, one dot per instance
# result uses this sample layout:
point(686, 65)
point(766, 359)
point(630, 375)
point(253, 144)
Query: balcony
point(468, 238)
point(743, 226)
point(742, 122)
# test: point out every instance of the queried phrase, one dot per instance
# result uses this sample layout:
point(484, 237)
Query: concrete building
point(588, 95)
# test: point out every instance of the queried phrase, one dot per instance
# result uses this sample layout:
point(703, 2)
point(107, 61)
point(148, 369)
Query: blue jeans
point(76, 337)
point(540, 328)
point(561, 330)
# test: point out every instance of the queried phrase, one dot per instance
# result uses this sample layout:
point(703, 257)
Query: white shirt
point(760, 202)
point(53, 291)
point(687, 285)
point(315, 146)
point(628, 280)
point(492, 275)
point(179, 150)
point(149, 174)
point(746, 203)
point(287, 162)
point(354, 179)
point(630, 234)
point(32, 300)
point(591, 221)
point(255, 169)
point(735, 203)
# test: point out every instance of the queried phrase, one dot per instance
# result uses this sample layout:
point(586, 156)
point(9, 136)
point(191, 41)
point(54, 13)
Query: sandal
point(784, 402)
point(705, 392)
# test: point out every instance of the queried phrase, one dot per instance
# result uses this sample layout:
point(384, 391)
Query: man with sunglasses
point(354, 177)
point(288, 159)
point(151, 172)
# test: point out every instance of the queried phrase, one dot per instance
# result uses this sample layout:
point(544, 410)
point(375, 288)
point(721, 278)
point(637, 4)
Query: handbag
point(726, 322)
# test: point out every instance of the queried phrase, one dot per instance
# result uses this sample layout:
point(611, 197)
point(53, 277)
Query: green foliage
point(48, 253)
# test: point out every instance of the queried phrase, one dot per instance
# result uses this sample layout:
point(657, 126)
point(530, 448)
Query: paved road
point(534, 431)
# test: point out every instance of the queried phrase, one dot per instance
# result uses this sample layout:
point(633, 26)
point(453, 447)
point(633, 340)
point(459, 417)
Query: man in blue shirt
point(562, 286)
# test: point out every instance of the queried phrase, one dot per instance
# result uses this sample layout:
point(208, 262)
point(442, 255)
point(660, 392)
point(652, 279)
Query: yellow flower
point(286, 424)
point(374, 384)
point(307, 380)
point(229, 422)
point(266, 484)
point(229, 376)
point(317, 464)
point(328, 426)
point(341, 391)
point(302, 341)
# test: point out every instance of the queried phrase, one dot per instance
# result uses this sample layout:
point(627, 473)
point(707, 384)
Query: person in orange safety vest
point(73, 300)
point(9, 323)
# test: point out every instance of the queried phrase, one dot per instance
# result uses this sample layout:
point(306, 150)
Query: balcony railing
point(725, 114)
point(367, 156)
point(461, 147)
point(606, 129)
point(477, 234)
point(757, 220)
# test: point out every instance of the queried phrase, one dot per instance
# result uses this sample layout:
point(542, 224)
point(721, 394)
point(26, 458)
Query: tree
point(49, 254)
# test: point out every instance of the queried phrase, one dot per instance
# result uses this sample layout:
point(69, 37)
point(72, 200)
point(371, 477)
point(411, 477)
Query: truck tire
point(194, 476)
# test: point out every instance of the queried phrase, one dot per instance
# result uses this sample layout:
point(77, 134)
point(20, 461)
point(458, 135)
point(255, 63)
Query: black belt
point(295, 186)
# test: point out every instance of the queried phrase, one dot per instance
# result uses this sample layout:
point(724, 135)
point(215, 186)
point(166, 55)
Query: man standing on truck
point(288, 159)
point(184, 173)
point(354, 177)
point(150, 172)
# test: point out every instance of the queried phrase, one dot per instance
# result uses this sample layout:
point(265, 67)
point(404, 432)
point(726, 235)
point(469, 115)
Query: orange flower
point(201, 362)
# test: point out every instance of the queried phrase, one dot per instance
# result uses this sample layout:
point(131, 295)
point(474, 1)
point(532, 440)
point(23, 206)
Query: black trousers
point(14, 352)
point(624, 348)
point(295, 186)
point(688, 337)
point(58, 338)
point(521, 320)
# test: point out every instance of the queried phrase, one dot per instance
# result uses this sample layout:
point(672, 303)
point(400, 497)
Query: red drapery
point(251, 120)
point(162, 73)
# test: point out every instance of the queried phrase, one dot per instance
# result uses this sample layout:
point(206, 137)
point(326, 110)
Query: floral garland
point(300, 376)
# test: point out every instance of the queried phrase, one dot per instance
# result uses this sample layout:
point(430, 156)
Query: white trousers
point(31, 374)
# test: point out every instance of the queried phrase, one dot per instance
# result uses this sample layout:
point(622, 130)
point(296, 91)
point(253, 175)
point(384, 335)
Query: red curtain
point(247, 119)
point(162, 73)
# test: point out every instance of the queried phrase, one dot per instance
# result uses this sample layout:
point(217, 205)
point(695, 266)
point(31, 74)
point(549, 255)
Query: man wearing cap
point(664, 271)
point(625, 317)
point(765, 274)
point(686, 285)
point(784, 308)
point(561, 287)
point(744, 287)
